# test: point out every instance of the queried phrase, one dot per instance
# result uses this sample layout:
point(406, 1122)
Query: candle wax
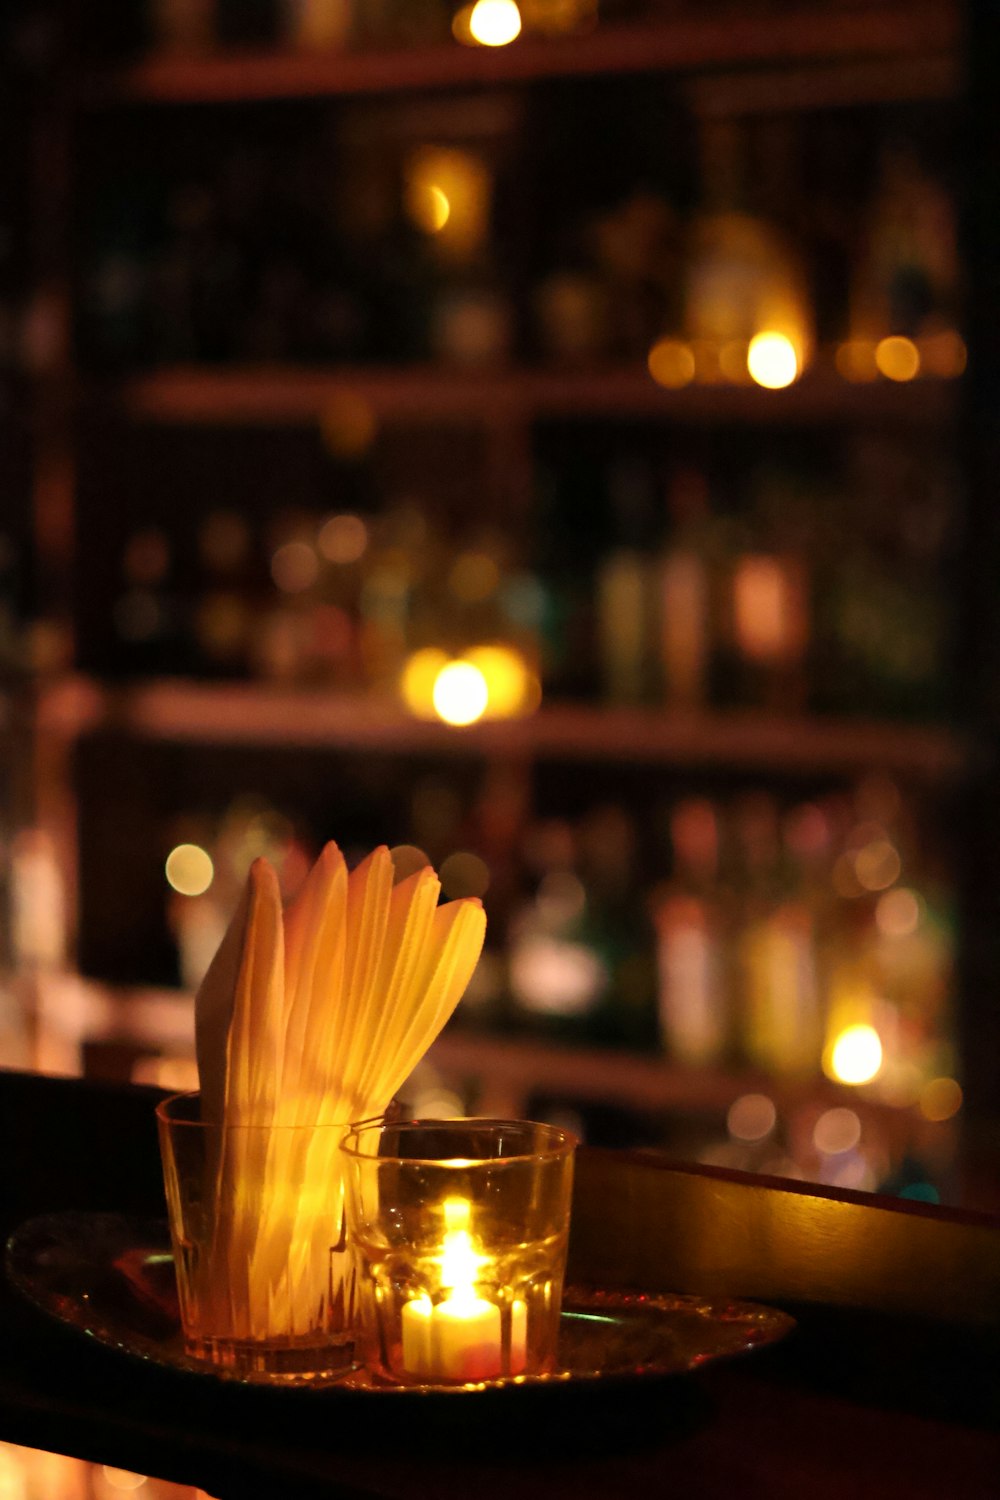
point(466, 1339)
point(417, 1319)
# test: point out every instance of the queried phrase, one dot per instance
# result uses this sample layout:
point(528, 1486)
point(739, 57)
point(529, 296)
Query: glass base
point(285, 1362)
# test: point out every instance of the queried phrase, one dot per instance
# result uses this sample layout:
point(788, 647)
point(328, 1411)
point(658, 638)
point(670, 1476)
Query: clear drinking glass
point(266, 1287)
point(459, 1231)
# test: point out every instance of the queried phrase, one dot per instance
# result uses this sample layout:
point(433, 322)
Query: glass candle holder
point(459, 1231)
point(265, 1286)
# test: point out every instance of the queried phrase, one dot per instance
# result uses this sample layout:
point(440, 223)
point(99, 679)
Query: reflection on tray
point(112, 1278)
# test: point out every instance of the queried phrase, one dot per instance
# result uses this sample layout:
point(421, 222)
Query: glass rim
point(163, 1114)
point(563, 1142)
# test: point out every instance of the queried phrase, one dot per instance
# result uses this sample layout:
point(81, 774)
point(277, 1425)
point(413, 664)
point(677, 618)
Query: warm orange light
point(189, 870)
point(898, 913)
point(940, 1099)
point(494, 23)
point(507, 679)
point(855, 361)
point(772, 360)
point(856, 1055)
point(835, 1131)
point(877, 865)
point(671, 364)
point(447, 195)
point(751, 1117)
point(343, 539)
point(348, 425)
point(294, 567)
point(474, 577)
point(419, 677)
point(897, 358)
point(461, 694)
point(943, 354)
point(733, 361)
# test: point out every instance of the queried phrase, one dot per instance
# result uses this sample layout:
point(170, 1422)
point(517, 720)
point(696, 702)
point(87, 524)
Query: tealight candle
point(461, 1227)
point(466, 1342)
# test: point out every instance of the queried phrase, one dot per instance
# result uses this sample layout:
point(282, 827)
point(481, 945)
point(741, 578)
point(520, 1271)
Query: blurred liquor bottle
point(906, 279)
point(624, 584)
point(743, 278)
point(766, 623)
point(686, 585)
point(692, 941)
point(778, 995)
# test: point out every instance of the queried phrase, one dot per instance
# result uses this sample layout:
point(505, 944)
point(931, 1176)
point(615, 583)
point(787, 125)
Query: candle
point(417, 1356)
point(465, 1338)
point(459, 1338)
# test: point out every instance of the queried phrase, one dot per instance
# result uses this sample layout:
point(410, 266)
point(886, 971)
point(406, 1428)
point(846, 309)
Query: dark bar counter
point(888, 1387)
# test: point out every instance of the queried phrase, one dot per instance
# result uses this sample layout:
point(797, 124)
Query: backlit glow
point(856, 1055)
point(461, 693)
point(897, 358)
point(189, 870)
point(494, 23)
point(772, 360)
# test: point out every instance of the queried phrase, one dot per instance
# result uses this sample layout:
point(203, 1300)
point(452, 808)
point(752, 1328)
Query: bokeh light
point(294, 567)
point(474, 576)
point(343, 539)
point(835, 1131)
point(407, 859)
point(508, 680)
point(855, 361)
point(897, 358)
point(752, 1117)
point(856, 1055)
point(494, 23)
point(420, 674)
point(898, 913)
point(940, 1099)
point(464, 874)
point(772, 360)
point(671, 364)
point(460, 694)
point(877, 865)
point(189, 869)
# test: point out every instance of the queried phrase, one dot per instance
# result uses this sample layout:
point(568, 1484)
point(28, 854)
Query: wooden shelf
point(509, 1069)
point(180, 711)
point(890, 34)
point(289, 394)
